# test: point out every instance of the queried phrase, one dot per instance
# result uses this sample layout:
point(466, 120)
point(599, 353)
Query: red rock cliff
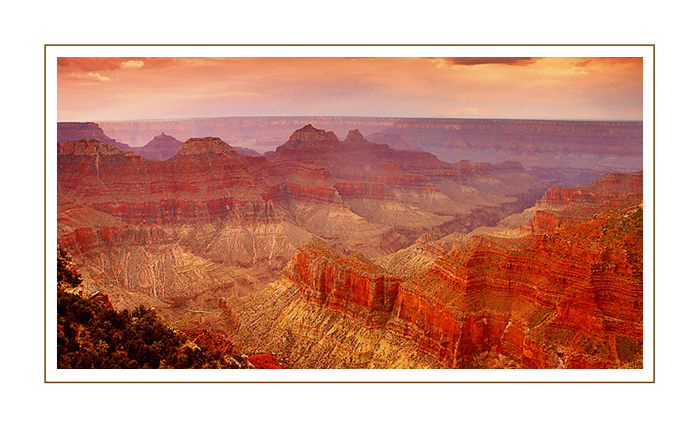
point(571, 299)
point(561, 205)
point(353, 284)
point(205, 181)
point(609, 188)
point(208, 207)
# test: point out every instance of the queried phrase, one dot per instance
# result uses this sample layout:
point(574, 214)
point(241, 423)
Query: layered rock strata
point(201, 234)
point(202, 222)
point(569, 296)
point(352, 284)
point(566, 205)
point(411, 191)
point(561, 205)
point(570, 299)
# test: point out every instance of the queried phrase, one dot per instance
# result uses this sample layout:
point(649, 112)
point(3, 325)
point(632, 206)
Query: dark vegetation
point(93, 335)
point(627, 348)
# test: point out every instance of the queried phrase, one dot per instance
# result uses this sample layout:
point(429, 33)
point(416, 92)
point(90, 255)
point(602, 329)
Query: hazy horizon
point(355, 116)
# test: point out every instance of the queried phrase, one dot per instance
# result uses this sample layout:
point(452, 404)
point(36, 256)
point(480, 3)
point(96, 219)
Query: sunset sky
point(107, 89)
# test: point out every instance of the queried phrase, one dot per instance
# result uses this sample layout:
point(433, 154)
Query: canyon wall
point(351, 254)
point(568, 299)
point(178, 233)
point(567, 296)
point(561, 205)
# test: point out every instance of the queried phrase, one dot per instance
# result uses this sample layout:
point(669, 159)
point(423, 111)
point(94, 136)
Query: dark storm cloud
point(484, 61)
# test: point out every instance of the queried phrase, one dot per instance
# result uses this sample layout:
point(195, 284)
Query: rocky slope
point(408, 190)
point(173, 231)
point(208, 222)
point(92, 334)
point(571, 298)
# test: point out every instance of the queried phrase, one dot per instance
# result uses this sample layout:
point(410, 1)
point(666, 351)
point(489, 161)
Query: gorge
point(355, 254)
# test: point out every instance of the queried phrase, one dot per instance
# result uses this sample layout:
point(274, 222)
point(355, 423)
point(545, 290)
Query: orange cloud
point(89, 76)
point(87, 64)
point(131, 64)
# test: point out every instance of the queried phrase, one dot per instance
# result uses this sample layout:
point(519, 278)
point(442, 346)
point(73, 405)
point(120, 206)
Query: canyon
point(209, 220)
point(368, 252)
point(567, 297)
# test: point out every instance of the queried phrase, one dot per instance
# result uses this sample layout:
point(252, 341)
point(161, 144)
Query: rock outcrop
point(411, 191)
point(206, 180)
point(558, 300)
point(352, 284)
point(612, 189)
point(360, 157)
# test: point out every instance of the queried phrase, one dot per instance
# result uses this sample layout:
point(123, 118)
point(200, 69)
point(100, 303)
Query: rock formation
point(160, 148)
point(565, 205)
point(566, 298)
point(561, 205)
point(68, 131)
point(411, 191)
point(259, 133)
point(351, 254)
point(209, 222)
point(352, 284)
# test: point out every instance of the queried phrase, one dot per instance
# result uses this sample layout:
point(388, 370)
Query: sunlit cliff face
point(100, 89)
